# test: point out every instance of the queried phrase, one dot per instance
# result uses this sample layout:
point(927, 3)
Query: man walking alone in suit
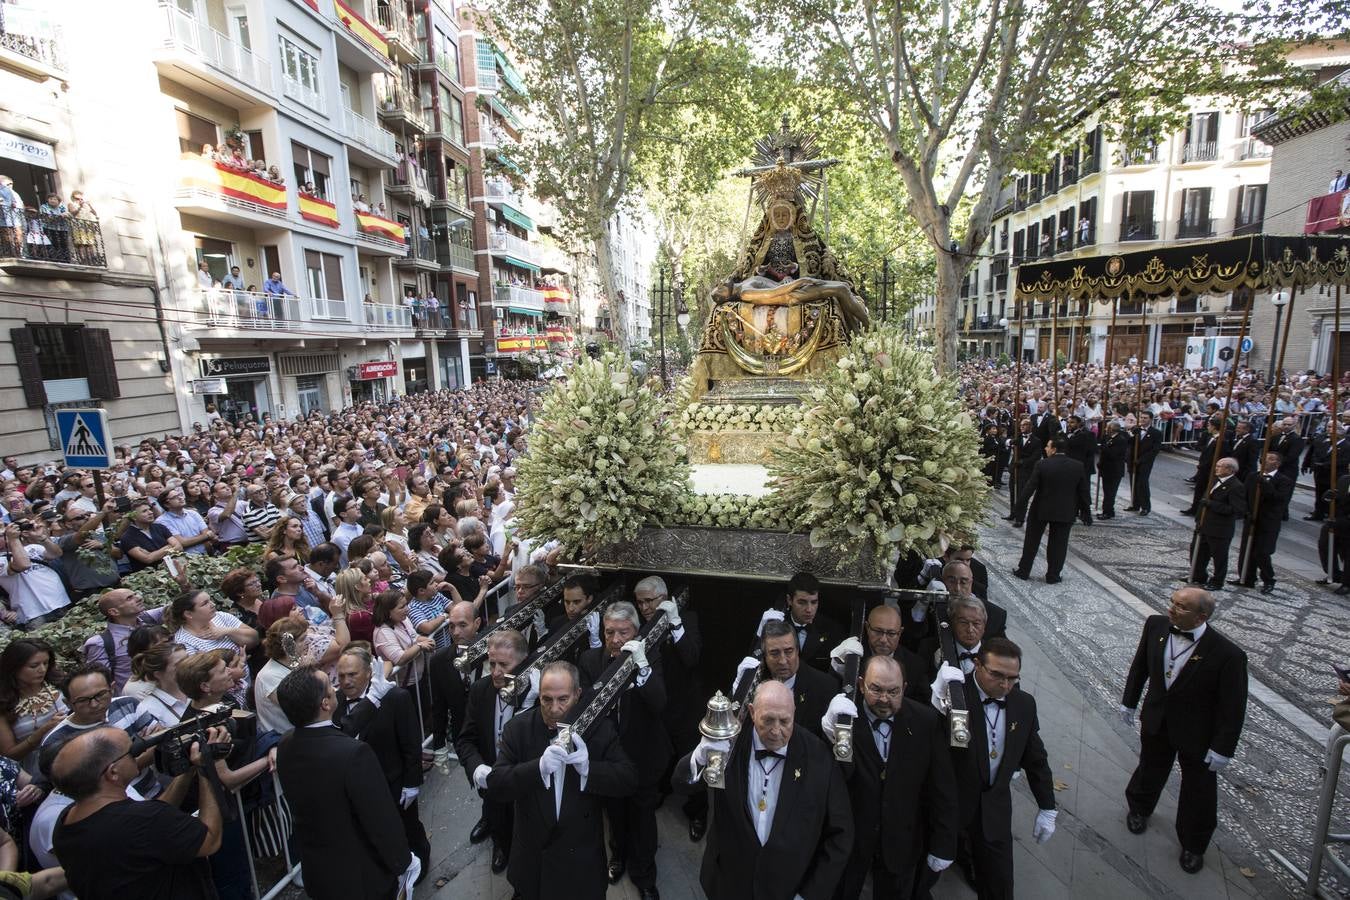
point(1058, 491)
point(1215, 516)
point(1144, 447)
point(1026, 453)
point(1194, 709)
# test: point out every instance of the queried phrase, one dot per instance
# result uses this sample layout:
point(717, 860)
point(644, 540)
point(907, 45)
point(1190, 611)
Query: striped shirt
point(265, 515)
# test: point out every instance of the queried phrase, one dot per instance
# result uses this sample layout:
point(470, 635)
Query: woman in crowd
point(30, 703)
point(396, 640)
point(287, 541)
point(422, 540)
point(352, 587)
point(461, 581)
point(202, 627)
point(320, 645)
point(198, 496)
point(159, 665)
point(284, 653)
point(442, 521)
point(244, 590)
point(396, 539)
point(141, 639)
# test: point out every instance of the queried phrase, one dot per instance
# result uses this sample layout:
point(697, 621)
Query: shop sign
point(224, 367)
point(385, 368)
point(209, 386)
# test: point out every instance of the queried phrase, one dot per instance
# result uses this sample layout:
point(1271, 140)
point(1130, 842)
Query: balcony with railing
point(218, 191)
point(361, 44)
point(521, 298)
point(1133, 230)
point(499, 190)
point(301, 93)
point(459, 257)
point(377, 143)
point(421, 255)
point(386, 317)
point(1248, 225)
point(36, 243)
point(1091, 165)
point(1086, 236)
point(505, 243)
point(1199, 151)
point(397, 29)
point(488, 80)
point(33, 42)
point(260, 314)
point(1251, 148)
point(401, 107)
point(1195, 228)
point(210, 61)
point(1144, 156)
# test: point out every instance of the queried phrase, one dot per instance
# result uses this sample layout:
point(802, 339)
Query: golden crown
point(780, 183)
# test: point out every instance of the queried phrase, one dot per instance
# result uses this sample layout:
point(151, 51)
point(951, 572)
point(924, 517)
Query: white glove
point(847, 646)
point(480, 775)
point(941, 687)
point(938, 865)
point(532, 694)
point(770, 615)
point(410, 875)
point(551, 763)
point(408, 796)
point(379, 685)
point(840, 705)
point(1045, 825)
point(638, 651)
point(919, 611)
point(593, 626)
point(705, 746)
point(672, 613)
point(1127, 715)
point(580, 758)
point(1215, 761)
point(749, 664)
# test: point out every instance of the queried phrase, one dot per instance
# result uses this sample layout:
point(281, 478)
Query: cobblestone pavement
point(1122, 570)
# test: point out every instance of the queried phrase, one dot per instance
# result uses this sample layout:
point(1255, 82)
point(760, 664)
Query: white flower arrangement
point(740, 417)
point(722, 511)
point(885, 455)
point(604, 459)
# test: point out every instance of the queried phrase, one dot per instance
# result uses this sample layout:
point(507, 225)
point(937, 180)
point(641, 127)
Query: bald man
point(881, 637)
point(793, 832)
point(125, 611)
point(1215, 516)
point(1193, 711)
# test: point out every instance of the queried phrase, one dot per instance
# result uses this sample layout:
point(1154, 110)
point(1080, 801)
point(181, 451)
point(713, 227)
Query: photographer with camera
point(36, 594)
point(112, 846)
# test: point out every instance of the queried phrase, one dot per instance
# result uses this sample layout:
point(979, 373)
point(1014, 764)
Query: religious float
point(805, 439)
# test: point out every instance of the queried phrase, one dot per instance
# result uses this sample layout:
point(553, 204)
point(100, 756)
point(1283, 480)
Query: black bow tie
point(1001, 704)
point(766, 753)
point(877, 723)
point(967, 654)
point(1188, 635)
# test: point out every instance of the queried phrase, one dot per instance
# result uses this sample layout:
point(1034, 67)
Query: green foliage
point(1003, 361)
point(885, 455)
point(722, 511)
point(68, 634)
point(603, 461)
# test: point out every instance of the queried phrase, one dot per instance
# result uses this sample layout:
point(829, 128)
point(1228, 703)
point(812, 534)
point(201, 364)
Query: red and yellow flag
point(517, 343)
point(361, 28)
point(373, 224)
point(316, 210)
point(219, 178)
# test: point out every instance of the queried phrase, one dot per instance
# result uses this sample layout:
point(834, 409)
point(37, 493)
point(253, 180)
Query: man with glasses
point(125, 611)
point(881, 637)
point(88, 691)
point(901, 784)
point(1004, 738)
point(185, 524)
point(260, 515)
point(86, 560)
point(88, 499)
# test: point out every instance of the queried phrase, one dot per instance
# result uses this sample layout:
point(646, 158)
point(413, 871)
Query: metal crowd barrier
point(292, 866)
point(1323, 838)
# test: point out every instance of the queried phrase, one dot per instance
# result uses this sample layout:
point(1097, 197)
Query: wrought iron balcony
point(44, 49)
point(1195, 228)
point(1251, 148)
point(1138, 231)
point(1200, 151)
point(50, 243)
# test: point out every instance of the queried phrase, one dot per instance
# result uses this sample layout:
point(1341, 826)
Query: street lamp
point(1003, 324)
point(1279, 299)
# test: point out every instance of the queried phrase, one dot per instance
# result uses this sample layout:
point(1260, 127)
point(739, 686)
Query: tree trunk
point(947, 313)
point(618, 309)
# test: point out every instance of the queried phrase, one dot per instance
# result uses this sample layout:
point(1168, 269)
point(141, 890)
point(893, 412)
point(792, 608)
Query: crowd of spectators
point(370, 525)
point(232, 155)
point(53, 229)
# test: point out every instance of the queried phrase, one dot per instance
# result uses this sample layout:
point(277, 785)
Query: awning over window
point(512, 261)
point(526, 312)
point(515, 217)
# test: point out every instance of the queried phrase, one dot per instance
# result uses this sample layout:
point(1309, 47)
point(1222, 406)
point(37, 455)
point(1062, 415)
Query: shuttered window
point(64, 353)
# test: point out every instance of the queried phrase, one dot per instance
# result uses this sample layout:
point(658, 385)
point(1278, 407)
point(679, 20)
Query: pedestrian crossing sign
point(86, 440)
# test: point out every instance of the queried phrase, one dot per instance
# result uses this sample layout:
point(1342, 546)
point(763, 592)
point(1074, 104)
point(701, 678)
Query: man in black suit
point(558, 836)
point(816, 635)
point(1004, 737)
point(1026, 453)
point(959, 580)
point(476, 743)
point(1204, 466)
point(642, 734)
point(450, 687)
point(1214, 521)
point(1245, 450)
point(1145, 444)
point(972, 622)
point(350, 837)
point(1289, 444)
point(1114, 445)
point(385, 717)
point(1317, 460)
point(1333, 544)
point(1058, 490)
point(810, 688)
point(1082, 446)
point(1194, 709)
point(882, 631)
point(901, 785)
point(684, 698)
point(782, 825)
point(1046, 424)
point(1269, 494)
point(979, 573)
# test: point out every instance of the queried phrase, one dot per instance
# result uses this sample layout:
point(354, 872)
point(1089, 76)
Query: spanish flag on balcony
point(373, 224)
point(218, 178)
point(520, 343)
point(361, 28)
point(315, 210)
point(559, 295)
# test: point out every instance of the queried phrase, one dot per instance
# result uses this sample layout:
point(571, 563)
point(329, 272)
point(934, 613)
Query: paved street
point(1078, 637)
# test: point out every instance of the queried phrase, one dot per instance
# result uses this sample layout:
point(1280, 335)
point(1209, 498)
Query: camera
point(123, 504)
point(172, 746)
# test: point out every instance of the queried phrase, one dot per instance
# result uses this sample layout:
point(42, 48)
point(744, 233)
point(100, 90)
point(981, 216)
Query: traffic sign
point(1246, 345)
point(1225, 353)
point(86, 439)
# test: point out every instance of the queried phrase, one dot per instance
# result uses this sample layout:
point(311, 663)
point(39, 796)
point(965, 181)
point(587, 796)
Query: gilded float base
point(755, 447)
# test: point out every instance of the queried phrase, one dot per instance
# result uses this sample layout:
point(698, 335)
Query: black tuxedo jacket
point(1111, 455)
point(1058, 489)
point(679, 666)
point(1275, 493)
point(1245, 450)
point(907, 803)
point(1045, 426)
point(991, 804)
point(1028, 449)
point(979, 575)
point(1290, 445)
point(813, 690)
point(638, 714)
point(822, 636)
point(1083, 447)
point(1221, 508)
point(552, 855)
point(1205, 707)
point(809, 840)
point(392, 730)
point(917, 678)
point(476, 743)
point(348, 828)
point(1148, 445)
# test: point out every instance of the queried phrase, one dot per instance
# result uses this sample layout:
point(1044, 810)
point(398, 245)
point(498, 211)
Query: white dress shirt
point(762, 782)
point(504, 713)
point(996, 729)
point(1178, 653)
point(968, 664)
point(881, 735)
